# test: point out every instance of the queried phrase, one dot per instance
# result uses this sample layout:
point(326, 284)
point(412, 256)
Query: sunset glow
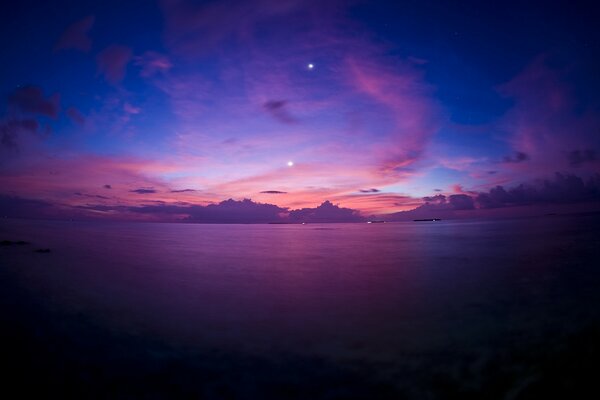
point(184, 106)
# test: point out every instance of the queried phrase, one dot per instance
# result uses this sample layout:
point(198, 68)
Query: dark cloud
point(278, 109)
point(17, 207)
point(76, 36)
point(8, 138)
point(194, 28)
point(437, 190)
point(561, 189)
point(31, 100)
point(183, 191)
point(94, 196)
point(107, 187)
point(461, 202)
point(273, 192)
point(226, 212)
point(438, 206)
point(236, 212)
point(76, 116)
point(10, 131)
point(231, 211)
point(326, 212)
point(492, 172)
point(372, 190)
point(518, 157)
point(578, 157)
point(112, 63)
point(437, 199)
point(144, 190)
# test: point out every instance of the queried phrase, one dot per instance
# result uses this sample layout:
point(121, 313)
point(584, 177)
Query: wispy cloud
point(76, 36)
point(144, 191)
point(112, 63)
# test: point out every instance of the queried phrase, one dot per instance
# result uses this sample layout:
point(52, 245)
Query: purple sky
point(309, 110)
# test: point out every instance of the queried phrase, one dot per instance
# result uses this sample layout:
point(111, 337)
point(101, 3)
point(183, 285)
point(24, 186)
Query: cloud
point(226, 212)
point(273, 192)
point(567, 190)
point(461, 202)
point(76, 116)
point(144, 191)
point(76, 36)
point(412, 115)
point(130, 109)
point(437, 206)
point(112, 63)
point(326, 212)
point(18, 207)
point(579, 157)
point(193, 29)
point(153, 63)
point(95, 196)
point(278, 109)
point(244, 211)
point(517, 158)
point(31, 100)
point(107, 187)
point(183, 191)
point(562, 189)
point(372, 190)
point(548, 118)
point(229, 211)
point(437, 199)
point(11, 129)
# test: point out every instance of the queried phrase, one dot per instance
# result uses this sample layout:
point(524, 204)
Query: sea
point(506, 309)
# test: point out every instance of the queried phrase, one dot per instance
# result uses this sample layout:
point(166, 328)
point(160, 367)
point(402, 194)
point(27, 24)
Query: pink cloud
point(130, 109)
point(112, 63)
point(153, 63)
point(76, 36)
point(414, 114)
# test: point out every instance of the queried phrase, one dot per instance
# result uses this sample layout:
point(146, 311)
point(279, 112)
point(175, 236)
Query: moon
point(311, 66)
point(290, 163)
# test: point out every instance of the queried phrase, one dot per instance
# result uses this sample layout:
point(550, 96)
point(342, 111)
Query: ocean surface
point(448, 309)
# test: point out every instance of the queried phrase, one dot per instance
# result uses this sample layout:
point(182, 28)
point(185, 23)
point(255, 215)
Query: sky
point(288, 110)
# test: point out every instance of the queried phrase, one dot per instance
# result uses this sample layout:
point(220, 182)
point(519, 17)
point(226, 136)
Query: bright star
point(311, 66)
point(290, 163)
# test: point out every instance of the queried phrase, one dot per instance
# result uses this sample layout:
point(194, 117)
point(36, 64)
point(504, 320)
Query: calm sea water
point(385, 296)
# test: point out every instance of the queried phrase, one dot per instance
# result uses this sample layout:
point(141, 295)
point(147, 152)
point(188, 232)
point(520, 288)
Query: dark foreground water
point(450, 309)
